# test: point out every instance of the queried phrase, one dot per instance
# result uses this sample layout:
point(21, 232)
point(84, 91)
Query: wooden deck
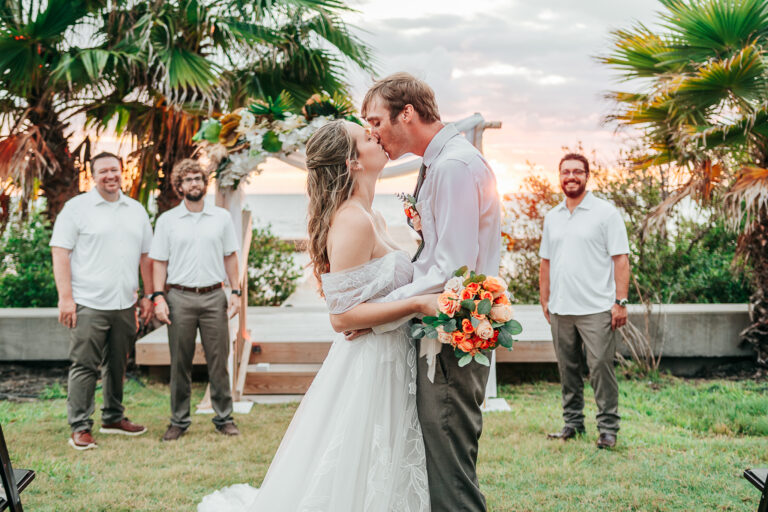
point(288, 344)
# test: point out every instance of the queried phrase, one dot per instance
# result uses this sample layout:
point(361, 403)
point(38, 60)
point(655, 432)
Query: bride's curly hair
point(329, 184)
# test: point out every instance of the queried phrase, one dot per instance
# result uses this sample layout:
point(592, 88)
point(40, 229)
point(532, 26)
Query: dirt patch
point(26, 382)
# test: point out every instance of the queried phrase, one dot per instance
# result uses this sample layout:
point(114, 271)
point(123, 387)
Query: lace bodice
point(367, 282)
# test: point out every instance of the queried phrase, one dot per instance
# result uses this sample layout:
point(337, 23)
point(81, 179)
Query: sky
point(529, 64)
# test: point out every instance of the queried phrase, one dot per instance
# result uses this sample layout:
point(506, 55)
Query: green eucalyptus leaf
point(430, 320)
point(513, 327)
point(484, 307)
point(417, 331)
point(465, 360)
point(460, 272)
point(450, 325)
point(469, 305)
point(482, 359)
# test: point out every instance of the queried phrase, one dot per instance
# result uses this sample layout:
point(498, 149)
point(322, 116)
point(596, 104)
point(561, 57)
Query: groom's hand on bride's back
point(351, 335)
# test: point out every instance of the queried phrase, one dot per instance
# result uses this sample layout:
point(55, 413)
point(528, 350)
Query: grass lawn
point(683, 446)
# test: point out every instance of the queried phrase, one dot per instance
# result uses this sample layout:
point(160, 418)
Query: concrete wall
point(684, 330)
point(32, 334)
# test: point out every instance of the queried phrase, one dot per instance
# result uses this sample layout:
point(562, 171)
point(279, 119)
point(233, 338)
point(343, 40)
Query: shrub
point(26, 270)
point(272, 270)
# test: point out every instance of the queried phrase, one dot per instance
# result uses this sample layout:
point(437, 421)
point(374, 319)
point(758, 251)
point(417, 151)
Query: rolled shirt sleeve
point(229, 243)
point(65, 229)
point(160, 247)
point(616, 235)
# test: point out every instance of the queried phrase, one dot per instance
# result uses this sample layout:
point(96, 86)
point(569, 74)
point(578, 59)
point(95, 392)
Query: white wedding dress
point(355, 443)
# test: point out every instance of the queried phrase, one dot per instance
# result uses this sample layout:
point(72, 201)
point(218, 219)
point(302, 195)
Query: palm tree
point(701, 107)
point(44, 76)
point(202, 56)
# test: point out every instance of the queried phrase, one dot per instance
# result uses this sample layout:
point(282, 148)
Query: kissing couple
point(389, 424)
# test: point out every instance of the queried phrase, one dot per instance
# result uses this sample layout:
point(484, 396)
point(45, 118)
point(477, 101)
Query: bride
point(355, 442)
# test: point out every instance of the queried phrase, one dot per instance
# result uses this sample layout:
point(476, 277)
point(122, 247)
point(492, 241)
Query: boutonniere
point(409, 206)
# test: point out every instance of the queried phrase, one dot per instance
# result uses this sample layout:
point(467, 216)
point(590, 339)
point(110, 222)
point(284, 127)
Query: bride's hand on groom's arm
point(426, 304)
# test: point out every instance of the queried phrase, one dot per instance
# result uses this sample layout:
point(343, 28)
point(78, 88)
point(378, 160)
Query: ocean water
point(287, 213)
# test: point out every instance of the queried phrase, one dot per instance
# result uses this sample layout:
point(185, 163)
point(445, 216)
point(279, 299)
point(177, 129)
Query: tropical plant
point(272, 270)
point(700, 103)
point(198, 57)
point(44, 76)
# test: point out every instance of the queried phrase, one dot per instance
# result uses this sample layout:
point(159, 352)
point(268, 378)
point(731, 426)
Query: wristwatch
point(239, 293)
point(622, 302)
point(156, 294)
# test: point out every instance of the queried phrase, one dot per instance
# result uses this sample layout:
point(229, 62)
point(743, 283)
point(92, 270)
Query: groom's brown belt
point(196, 289)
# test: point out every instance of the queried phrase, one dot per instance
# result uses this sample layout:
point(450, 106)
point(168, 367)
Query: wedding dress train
point(355, 442)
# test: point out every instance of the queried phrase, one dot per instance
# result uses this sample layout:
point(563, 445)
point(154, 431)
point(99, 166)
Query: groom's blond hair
point(403, 89)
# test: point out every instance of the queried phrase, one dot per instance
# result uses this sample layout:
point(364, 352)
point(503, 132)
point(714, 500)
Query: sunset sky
point(530, 65)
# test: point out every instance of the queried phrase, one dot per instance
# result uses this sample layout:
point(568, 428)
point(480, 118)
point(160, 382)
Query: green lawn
point(682, 446)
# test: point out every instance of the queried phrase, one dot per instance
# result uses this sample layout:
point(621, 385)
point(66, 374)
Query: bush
point(272, 270)
point(690, 260)
point(26, 269)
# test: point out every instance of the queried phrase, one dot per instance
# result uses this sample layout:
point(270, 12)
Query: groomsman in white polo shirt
point(99, 240)
point(195, 250)
point(584, 283)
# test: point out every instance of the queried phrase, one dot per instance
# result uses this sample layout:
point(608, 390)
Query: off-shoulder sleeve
point(348, 288)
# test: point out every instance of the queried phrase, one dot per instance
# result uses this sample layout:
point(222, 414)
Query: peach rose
point(448, 303)
point(484, 330)
point(466, 326)
point(495, 285)
point(473, 288)
point(466, 294)
point(501, 313)
point(442, 336)
point(502, 299)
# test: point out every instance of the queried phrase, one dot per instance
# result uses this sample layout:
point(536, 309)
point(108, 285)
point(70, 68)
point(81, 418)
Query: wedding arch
point(235, 145)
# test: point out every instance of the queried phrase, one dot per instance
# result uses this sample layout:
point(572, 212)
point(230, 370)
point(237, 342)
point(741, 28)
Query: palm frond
point(747, 199)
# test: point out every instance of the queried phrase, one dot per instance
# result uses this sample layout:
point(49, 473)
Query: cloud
point(530, 65)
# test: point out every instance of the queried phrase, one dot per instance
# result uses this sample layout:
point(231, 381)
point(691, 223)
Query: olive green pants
point(100, 338)
point(207, 312)
point(580, 337)
point(451, 422)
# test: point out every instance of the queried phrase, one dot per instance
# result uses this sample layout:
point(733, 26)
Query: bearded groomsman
point(584, 282)
point(99, 239)
point(194, 251)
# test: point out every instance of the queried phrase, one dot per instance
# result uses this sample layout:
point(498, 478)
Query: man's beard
point(573, 194)
point(194, 197)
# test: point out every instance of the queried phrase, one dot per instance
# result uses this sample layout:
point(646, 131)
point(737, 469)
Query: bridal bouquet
point(474, 316)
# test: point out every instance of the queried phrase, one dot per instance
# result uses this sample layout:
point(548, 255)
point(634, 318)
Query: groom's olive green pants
point(451, 422)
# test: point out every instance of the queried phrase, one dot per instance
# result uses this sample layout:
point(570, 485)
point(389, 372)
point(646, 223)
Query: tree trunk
point(63, 184)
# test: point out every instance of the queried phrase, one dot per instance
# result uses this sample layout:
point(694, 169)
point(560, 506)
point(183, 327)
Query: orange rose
point(456, 338)
point(466, 294)
point(473, 288)
point(448, 303)
point(466, 326)
point(485, 294)
point(502, 299)
point(495, 285)
point(466, 345)
point(485, 344)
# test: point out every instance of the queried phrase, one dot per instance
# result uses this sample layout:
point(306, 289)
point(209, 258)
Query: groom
point(460, 215)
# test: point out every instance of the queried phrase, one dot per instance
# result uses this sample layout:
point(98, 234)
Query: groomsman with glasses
point(194, 252)
point(584, 284)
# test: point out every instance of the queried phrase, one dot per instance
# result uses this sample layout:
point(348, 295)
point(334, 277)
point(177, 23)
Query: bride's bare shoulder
point(351, 237)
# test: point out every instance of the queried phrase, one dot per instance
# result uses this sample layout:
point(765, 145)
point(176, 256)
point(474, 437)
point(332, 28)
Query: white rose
point(454, 284)
point(247, 121)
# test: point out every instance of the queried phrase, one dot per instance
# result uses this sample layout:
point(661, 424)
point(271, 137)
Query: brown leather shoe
point(606, 440)
point(565, 434)
point(228, 429)
point(125, 427)
point(173, 433)
point(82, 440)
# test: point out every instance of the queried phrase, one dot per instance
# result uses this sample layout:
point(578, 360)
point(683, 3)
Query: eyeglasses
point(196, 179)
point(576, 173)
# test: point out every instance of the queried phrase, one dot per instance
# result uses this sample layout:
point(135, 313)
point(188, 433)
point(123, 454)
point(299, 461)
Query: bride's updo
point(329, 184)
